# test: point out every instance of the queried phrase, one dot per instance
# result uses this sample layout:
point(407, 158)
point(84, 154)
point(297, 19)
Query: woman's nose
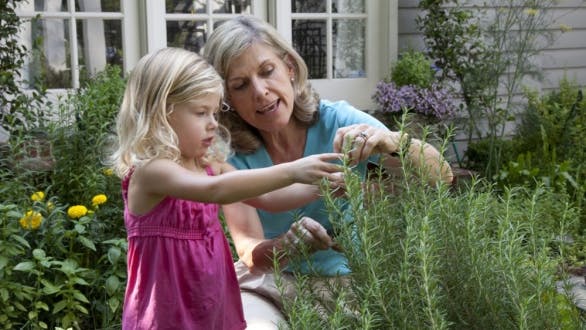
point(260, 88)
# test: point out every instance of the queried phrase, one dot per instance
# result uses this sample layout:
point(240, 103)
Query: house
point(347, 44)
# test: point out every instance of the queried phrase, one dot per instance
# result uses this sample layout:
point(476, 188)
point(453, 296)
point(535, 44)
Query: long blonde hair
point(230, 40)
point(160, 80)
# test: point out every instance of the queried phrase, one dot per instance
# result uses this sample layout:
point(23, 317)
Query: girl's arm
point(165, 178)
point(287, 198)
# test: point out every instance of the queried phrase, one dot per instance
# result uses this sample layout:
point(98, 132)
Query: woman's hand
point(362, 140)
point(307, 234)
point(312, 169)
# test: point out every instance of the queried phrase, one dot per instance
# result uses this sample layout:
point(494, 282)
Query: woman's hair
point(230, 40)
point(159, 81)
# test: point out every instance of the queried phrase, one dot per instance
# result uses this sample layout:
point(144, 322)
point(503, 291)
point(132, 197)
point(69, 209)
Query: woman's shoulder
point(344, 114)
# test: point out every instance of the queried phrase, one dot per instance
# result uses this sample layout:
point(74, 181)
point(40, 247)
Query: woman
point(276, 117)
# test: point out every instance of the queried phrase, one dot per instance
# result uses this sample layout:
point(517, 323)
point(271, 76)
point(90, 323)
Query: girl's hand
point(312, 169)
point(307, 234)
point(362, 140)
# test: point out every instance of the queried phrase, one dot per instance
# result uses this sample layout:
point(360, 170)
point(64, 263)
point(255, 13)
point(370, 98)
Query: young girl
point(172, 161)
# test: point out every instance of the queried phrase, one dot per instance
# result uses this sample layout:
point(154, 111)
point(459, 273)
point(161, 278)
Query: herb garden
point(495, 251)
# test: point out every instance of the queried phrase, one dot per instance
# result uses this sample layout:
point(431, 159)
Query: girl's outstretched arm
point(165, 178)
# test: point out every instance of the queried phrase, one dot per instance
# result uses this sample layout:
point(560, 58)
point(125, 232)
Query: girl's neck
point(287, 144)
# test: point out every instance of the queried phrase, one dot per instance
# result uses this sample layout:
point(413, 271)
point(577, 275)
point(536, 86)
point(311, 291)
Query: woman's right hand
point(307, 234)
point(312, 169)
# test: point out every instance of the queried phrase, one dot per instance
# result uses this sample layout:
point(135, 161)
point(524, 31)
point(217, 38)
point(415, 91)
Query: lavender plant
point(435, 102)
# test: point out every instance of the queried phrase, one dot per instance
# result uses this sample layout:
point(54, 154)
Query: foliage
point(56, 267)
point(486, 59)
point(432, 258)
point(83, 135)
point(62, 251)
point(19, 111)
point(547, 147)
point(412, 68)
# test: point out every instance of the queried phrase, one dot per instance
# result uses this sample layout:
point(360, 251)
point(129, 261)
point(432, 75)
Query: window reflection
point(348, 48)
point(308, 6)
point(348, 6)
point(50, 63)
point(190, 35)
point(200, 6)
point(309, 39)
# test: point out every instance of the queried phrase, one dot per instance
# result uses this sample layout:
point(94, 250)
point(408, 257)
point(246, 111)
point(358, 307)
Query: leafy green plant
point(431, 258)
point(412, 68)
point(486, 58)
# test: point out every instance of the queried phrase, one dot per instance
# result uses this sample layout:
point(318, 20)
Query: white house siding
point(566, 56)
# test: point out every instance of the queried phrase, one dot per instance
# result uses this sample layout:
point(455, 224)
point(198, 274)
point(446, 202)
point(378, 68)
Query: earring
point(292, 79)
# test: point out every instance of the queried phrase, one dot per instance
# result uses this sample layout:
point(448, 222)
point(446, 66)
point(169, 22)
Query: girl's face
point(259, 88)
point(195, 124)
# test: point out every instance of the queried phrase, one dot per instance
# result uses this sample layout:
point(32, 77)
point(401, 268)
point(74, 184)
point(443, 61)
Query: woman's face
point(259, 88)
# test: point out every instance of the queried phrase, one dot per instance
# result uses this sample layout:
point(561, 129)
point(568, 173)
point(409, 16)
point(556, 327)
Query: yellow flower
point(99, 200)
point(531, 12)
point(565, 28)
point(31, 220)
point(108, 172)
point(38, 196)
point(50, 206)
point(76, 211)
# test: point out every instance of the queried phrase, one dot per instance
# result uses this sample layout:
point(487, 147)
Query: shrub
point(430, 258)
point(412, 68)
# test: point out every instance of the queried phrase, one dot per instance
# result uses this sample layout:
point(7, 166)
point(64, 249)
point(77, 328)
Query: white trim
point(156, 26)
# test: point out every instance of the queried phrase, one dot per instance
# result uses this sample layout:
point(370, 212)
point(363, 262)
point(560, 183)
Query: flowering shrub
point(435, 102)
point(60, 265)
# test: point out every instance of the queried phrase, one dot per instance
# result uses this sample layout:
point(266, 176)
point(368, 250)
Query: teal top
point(320, 139)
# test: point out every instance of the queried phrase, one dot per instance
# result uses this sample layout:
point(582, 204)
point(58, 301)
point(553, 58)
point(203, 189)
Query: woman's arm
point(258, 253)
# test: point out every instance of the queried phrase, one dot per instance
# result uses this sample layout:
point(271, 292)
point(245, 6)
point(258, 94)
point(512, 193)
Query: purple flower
point(435, 101)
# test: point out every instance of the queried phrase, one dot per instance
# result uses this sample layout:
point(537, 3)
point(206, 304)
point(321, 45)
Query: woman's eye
point(267, 71)
point(238, 86)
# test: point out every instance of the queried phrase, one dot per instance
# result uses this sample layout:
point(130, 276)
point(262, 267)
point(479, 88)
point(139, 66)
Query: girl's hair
point(230, 40)
point(159, 81)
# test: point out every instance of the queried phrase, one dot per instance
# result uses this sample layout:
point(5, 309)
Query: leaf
point(39, 254)
point(87, 243)
point(112, 285)
point(3, 262)
point(50, 288)
point(114, 254)
point(41, 305)
point(59, 306)
point(4, 294)
point(79, 296)
point(114, 303)
point(21, 240)
point(25, 266)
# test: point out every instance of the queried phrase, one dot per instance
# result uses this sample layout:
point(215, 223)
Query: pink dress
point(180, 270)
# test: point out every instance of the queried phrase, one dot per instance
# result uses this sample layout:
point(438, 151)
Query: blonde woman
point(171, 158)
point(276, 117)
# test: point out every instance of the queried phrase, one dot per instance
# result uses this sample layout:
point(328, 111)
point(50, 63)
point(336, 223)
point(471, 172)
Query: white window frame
point(128, 15)
point(156, 18)
point(381, 48)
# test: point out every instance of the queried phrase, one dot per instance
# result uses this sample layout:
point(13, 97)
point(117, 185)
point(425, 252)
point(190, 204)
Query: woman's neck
point(286, 145)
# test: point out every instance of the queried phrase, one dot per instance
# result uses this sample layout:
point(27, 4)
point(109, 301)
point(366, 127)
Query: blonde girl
point(171, 158)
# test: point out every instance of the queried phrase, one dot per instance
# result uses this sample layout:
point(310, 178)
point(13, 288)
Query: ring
point(363, 135)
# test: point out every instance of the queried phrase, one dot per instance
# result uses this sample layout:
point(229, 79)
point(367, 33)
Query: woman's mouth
point(270, 108)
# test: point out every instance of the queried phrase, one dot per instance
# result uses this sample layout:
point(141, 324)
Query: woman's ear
point(291, 67)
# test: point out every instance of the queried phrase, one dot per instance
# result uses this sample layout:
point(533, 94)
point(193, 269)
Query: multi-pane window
point(331, 36)
point(188, 22)
point(70, 39)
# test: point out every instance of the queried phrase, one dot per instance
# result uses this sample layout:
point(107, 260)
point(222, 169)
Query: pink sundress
point(180, 269)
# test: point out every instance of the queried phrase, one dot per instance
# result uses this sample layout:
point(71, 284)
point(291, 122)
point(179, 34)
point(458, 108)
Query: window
point(345, 44)
point(73, 38)
point(188, 23)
